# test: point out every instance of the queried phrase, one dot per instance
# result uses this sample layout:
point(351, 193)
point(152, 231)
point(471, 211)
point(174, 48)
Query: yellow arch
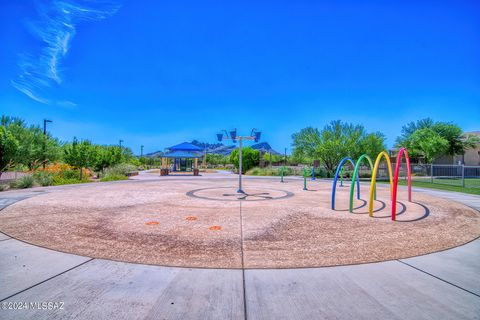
point(374, 179)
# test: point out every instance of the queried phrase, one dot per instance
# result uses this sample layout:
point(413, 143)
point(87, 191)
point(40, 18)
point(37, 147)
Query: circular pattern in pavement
point(231, 194)
point(114, 221)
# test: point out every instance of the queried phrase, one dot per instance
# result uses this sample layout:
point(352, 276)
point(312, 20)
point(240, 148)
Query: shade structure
point(185, 146)
point(182, 154)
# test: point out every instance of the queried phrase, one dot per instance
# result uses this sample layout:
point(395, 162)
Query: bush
point(69, 174)
point(121, 169)
point(250, 158)
point(43, 178)
point(321, 172)
point(3, 187)
point(271, 171)
point(114, 177)
point(23, 182)
point(59, 180)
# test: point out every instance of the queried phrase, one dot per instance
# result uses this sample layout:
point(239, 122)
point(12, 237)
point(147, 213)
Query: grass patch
point(57, 181)
point(114, 177)
point(446, 187)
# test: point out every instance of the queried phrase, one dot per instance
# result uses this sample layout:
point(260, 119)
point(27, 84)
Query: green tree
point(250, 158)
point(428, 143)
point(34, 148)
point(80, 154)
point(457, 142)
point(106, 156)
point(217, 159)
point(371, 144)
point(8, 149)
point(336, 141)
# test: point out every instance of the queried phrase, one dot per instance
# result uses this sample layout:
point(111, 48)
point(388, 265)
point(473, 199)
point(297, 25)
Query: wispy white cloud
point(40, 72)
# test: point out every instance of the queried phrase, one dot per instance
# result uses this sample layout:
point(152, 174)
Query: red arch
point(395, 180)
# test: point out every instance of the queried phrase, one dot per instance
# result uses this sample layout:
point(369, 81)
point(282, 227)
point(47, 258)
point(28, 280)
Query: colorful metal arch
point(355, 176)
point(401, 152)
point(339, 167)
point(374, 179)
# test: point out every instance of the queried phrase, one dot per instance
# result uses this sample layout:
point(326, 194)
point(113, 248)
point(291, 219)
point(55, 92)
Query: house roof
point(185, 146)
point(182, 154)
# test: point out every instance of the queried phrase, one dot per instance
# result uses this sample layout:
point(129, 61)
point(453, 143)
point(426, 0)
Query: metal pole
point(285, 160)
point(463, 175)
point(205, 157)
point(431, 172)
point(240, 166)
point(45, 140)
point(305, 178)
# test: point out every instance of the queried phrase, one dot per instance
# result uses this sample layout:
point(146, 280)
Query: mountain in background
point(209, 146)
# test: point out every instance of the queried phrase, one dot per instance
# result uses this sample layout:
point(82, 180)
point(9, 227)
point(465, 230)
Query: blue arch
point(334, 187)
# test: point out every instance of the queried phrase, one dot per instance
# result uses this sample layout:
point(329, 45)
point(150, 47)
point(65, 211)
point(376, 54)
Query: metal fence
point(455, 175)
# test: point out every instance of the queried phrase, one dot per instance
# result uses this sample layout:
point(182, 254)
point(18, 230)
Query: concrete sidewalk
point(443, 285)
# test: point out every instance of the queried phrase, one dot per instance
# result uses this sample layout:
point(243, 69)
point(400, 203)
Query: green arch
point(354, 177)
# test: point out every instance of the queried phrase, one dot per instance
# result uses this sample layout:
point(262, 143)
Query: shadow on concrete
point(364, 203)
point(426, 214)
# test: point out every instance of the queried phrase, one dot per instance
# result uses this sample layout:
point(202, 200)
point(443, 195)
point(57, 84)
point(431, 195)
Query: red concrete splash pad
point(200, 223)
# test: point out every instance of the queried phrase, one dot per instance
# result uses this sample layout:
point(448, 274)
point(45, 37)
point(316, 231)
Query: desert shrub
point(44, 178)
point(68, 174)
point(120, 169)
point(59, 180)
point(114, 177)
point(256, 172)
point(61, 173)
point(271, 171)
point(321, 172)
point(23, 182)
point(56, 168)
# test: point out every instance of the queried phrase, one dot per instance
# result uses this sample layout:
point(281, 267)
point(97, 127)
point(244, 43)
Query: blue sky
point(157, 73)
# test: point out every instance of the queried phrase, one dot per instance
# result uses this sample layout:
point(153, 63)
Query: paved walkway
point(444, 285)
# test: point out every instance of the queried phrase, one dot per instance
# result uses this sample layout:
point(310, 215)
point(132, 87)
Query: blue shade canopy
point(182, 154)
point(185, 146)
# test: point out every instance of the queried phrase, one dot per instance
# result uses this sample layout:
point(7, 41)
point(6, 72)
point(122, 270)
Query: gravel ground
point(155, 222)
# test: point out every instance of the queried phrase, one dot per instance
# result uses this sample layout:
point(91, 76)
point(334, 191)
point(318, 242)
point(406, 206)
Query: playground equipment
point(374, 179)
point(254, 135)
point(401, 152)
point(334, 187)
point(393, 179)
point(354, 177)
point(305, 178)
